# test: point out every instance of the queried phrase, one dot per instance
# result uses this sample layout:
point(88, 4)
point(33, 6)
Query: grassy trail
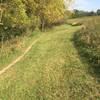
point(52, 70)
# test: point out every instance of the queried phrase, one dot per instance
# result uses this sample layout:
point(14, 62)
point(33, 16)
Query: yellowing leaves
point(53, 13)
point(34, 12)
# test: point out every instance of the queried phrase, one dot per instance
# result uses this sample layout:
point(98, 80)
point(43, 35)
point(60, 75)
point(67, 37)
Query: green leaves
point(33, 13)
point(16, 14)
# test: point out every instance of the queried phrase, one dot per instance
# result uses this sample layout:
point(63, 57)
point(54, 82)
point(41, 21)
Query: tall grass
point(88, 41)
point(14, 47)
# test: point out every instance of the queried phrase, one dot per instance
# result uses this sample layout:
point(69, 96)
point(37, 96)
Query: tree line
point(18, 16)
point(80, 13)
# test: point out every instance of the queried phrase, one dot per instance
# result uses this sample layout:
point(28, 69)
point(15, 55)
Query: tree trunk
point(42, 25)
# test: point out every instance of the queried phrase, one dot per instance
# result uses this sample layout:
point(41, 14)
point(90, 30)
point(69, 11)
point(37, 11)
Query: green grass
point(52, 70)
point(15, 47)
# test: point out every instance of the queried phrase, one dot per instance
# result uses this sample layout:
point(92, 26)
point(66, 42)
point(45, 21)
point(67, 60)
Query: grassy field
point(83, 20)
point(52, 70)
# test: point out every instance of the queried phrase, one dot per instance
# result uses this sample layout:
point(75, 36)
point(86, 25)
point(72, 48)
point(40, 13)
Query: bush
point(88, 41)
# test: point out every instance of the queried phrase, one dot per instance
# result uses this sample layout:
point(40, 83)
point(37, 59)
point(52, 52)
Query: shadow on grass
point(85, 57)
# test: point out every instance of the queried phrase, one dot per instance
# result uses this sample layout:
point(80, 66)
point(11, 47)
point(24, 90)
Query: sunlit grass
point(52, 70)
point(13, 48)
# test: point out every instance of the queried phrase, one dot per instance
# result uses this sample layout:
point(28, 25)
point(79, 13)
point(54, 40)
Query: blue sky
point(87, 5)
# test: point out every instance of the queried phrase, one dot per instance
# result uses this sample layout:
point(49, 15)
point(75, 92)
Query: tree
point(26, 14)
point(98, 12)
point(49, 11)
point(16, 13)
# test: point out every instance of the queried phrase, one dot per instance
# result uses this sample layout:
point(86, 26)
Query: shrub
point(88, 41)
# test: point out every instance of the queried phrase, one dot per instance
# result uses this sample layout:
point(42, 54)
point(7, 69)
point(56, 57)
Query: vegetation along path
point(51, 70)
point(18, 59)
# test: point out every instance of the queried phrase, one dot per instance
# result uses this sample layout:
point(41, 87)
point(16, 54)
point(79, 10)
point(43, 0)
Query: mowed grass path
point(52, 70)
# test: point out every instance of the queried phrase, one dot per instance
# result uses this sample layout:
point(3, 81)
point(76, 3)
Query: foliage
point(23, 15)
point(88, 40)
point(81, 13)
point(16, 13)
point(98, 12)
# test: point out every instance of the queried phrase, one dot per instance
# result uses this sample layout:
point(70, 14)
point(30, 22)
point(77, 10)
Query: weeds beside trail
point(18, 59)
point(52, 70)
point(15, 47)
